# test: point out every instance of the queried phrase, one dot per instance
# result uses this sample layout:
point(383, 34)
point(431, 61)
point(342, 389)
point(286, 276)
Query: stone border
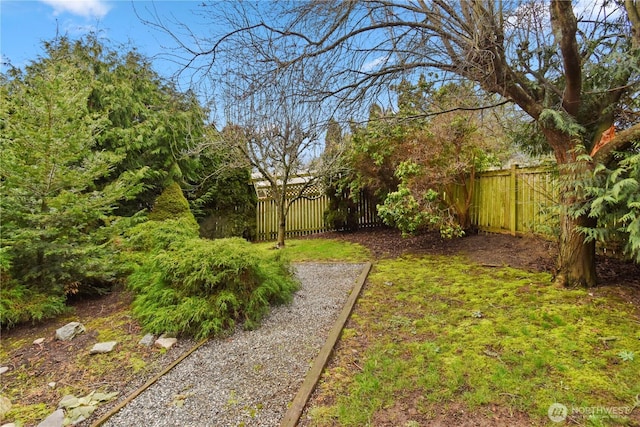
point(299, 402)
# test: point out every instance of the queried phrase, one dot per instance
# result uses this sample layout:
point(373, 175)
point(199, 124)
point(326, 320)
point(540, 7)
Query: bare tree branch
point(569, 73)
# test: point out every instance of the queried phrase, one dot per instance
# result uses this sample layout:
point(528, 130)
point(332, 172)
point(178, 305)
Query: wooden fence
point(515, 201)
point(306, 215)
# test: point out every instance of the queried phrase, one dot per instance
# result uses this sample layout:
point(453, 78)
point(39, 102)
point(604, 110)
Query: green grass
point(434, 333)
point(301, 250)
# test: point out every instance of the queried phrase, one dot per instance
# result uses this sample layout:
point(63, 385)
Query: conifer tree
point(55, 211)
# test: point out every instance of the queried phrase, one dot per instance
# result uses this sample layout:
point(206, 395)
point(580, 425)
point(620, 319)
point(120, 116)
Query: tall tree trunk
point(281, 232)
point(576, 264)
point(576, 258)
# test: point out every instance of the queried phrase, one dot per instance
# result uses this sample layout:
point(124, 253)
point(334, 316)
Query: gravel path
point(251, 377)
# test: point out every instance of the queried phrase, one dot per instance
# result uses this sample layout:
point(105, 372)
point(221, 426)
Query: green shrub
point(409, 214)
point(201, 287)
point(19, 304)
point(614, 199)
point(159, 235)
point(197, 287)
point(171, 204)
point(226, 206)
point(145, 236)
point(342, 212)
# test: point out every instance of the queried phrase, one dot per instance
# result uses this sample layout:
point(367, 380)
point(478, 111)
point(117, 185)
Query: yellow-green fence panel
point(516, 201)
point(306, 215)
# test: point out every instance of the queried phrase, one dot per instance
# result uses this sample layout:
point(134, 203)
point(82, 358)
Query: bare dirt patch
point(486, 248)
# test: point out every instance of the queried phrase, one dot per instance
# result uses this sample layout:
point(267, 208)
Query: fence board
point(306, 215)
point(515, 201)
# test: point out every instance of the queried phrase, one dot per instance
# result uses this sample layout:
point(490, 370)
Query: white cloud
point(596, 10)
point(374, 64)
point(84, 8)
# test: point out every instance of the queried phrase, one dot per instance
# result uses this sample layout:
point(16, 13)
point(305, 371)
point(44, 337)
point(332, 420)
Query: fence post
point(513, 189)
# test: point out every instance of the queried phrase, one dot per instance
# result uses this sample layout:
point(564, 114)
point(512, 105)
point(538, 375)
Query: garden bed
point(249, 377)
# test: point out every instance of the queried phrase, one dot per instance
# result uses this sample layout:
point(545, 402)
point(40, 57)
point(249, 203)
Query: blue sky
point(24, 24)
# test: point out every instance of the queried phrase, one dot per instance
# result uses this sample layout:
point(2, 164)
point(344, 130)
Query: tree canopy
point(571, 68)
point(59, 189)
point(89, 137)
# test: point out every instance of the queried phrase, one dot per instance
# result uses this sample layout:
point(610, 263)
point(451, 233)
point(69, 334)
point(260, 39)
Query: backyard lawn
point(438, 340)
point(466, 332)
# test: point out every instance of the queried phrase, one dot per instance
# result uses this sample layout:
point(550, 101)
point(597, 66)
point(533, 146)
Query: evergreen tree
point(150, 123)
point(55, 215)
point(613, 197)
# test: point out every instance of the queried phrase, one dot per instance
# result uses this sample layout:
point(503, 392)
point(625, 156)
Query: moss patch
point(301, 250)
point(35, 412)
point(434, 334)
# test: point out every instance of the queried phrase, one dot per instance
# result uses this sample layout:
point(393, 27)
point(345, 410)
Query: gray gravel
point(250, 378)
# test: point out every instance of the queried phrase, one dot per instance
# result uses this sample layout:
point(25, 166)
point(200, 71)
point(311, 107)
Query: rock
point(69, 331)
point(103, 347)
point(69, 401)
point(92, 399)
point(80, 408)
point(147, 340)
point(52, 384)
point(104, 397)
point(54, 420)
point(168, 335)
point(38, 341)
point(165, 342)
point(4, 369)
point(5, 406)
point(9, 425)
point(80, 413)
